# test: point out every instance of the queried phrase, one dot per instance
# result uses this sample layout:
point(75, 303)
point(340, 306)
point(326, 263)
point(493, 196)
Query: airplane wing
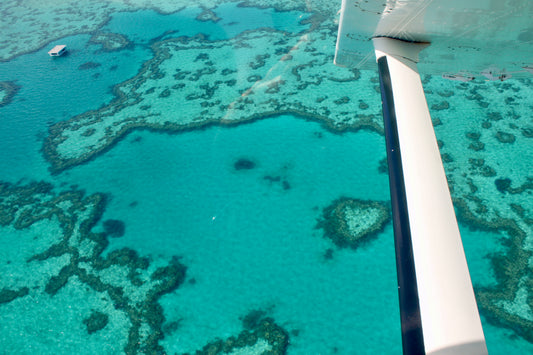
point(467, 36)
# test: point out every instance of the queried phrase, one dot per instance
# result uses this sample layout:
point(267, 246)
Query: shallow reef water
point(200, 178)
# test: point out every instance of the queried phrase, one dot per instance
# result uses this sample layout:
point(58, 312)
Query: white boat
point(464, 77)
point(58, 50)
point(494, 74)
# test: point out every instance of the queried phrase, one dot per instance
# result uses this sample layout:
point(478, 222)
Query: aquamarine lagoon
point(200, 178)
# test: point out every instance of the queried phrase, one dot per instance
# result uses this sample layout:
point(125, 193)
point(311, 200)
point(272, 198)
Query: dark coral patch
point(10, 89)
point(165, 93)
point(447, 158)
point(271, 178)
point(328, 254)
point(342, 100)
point(7, 295)
point(114, 228)
point(494, 116)
point(444, 105)
point(96, 321)
point(476, 146)
point(475, 136)
point(89, 65)
point(383, 167)
point(527, 132)
point(253, 319)
point(446, 93)
point(244, 164)
point(486, 124)
point(502, 184)
point(264, 329)
point(504, 137)
point(286, 185)
point(88, 132)
point(55, 283)
point(279, 180)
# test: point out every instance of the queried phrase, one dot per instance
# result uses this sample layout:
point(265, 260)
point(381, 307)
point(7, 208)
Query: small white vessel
point(494, 73)
point(461, 76)
point(58, 50)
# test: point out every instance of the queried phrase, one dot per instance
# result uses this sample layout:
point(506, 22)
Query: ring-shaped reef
point(352, 222)
point(110, 42)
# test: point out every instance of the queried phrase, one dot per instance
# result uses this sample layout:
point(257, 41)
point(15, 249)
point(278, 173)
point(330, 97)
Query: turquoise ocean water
point(247, 237)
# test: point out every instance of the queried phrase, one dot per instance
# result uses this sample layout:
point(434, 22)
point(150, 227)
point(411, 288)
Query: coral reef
point(134, 295)
point(512, 270)
point(110, 42)
point(195, 82)
point(35, 30)
point(260, 336)
point(208, 15)
point(352, 222)
point(96, 321)
point(209, 83)
point(490, 193)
